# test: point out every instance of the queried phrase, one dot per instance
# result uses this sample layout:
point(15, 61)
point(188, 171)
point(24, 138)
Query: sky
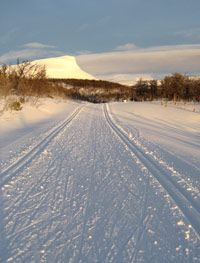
point(118, 40)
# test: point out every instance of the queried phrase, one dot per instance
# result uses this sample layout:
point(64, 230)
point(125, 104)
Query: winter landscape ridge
point(108, 182)
point(63, 67)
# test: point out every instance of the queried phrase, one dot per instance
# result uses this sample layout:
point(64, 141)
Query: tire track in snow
point(187, 205)
point(9, 172)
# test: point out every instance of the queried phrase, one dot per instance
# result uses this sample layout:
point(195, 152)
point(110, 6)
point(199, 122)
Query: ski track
point(185, 173)
point(84, 194)
point(189, 207)
point(7, 173)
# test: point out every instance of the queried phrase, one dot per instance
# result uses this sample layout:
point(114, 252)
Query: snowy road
point(93, 190)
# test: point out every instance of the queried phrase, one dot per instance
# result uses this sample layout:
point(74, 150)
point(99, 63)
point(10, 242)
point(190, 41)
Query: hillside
point(63, 67)
point(94, 90)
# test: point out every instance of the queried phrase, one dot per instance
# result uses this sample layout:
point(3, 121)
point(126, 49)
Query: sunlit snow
point(83, 183)
point(63, 67)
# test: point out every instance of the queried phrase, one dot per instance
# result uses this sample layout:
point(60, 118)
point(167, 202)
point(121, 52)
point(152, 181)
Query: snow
point(30, 124)
point(83, 182)
point(33, 112)
point(63, 67)
point(172, 128)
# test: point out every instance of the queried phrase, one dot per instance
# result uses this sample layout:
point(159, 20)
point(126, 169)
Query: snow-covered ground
point(85, 183)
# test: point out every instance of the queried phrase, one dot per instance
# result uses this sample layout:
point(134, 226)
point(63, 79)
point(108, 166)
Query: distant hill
point(63, 68)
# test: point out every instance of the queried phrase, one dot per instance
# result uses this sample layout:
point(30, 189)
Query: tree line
point(96, 91)
point(176, 87)
point(26, 79)
point(30, 80)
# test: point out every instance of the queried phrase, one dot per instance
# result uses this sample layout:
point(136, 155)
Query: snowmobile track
point(187, 206)
point(10, 171)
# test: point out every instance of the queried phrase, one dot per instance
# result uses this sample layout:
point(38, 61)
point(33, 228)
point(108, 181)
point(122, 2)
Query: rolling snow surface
point(116, 182)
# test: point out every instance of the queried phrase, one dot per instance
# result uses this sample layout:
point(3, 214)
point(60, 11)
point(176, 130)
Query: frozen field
point(113, 183)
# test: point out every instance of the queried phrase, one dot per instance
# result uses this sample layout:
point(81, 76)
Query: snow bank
point(18, 127)
point(30, 113)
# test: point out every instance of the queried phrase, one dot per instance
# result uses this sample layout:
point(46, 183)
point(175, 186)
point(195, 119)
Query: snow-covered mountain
point(63, 67)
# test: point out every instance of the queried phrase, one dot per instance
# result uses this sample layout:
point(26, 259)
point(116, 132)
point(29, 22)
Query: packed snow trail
point(189, 207)
point(85, 197)
point(6, 174)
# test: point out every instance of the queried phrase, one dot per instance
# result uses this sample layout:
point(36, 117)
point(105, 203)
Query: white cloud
point(127, 79)
point(37, 45)
point(30, 51)
point(28, 54)
point(152, 61)
point(127, 65)
point(193, 32)
point(125, 47)
point(22, 54)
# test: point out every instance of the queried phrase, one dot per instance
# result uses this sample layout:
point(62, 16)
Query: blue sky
point(36, 29)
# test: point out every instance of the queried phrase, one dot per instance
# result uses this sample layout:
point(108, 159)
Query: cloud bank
point(125, 47)
point(37, 45)
point(125, 64)
point(190, 33)
point(151, 62)
point(29, 52)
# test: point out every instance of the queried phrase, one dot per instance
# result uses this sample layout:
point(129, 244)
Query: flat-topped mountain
point(63, 67)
